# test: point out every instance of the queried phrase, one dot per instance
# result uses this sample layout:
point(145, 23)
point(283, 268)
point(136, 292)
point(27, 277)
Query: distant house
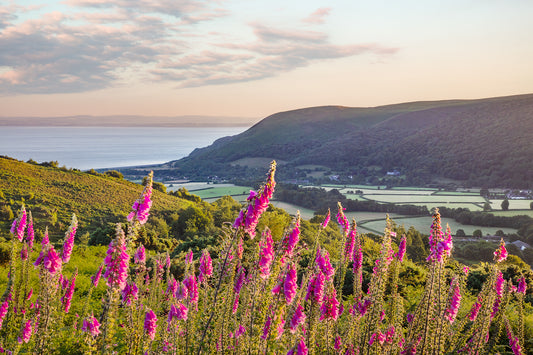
point(492, 238)
point(520, 244)
point(334, 177)
point(520, 195)
point(393, 173)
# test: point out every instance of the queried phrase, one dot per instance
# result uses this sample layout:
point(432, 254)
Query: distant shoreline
point(128, 121)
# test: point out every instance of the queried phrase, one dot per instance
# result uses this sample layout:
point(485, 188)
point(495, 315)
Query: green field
point(513, 204)
point(389, 192)
point(355, 197)
point(358, 187)
point(214, 192)
point(455, 193)
point(361, 217)
point(410, 199)
point(415, 188)
point(470, 206)
point(305, 213)
point(423, 225)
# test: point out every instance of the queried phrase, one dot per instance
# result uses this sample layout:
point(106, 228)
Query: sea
point(87, 148)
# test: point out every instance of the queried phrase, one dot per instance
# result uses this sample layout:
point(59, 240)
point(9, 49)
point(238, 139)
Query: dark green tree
point(505, 205)
point(460, 233)
point(486, 207)
point(415, 246)
point(226, 209)
point(477, 233)
point(193, 221)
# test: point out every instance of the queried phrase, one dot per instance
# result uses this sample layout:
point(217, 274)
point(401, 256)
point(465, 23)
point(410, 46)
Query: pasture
point(410, 199)
point(422, 224)
point(513, 204)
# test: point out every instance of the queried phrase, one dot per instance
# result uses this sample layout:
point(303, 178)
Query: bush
point(114, 173)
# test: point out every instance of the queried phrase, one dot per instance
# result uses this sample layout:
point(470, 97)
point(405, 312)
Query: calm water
point(106, 147)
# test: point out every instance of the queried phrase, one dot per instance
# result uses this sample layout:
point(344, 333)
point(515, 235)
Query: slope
point(53, 194)
point(482, 142)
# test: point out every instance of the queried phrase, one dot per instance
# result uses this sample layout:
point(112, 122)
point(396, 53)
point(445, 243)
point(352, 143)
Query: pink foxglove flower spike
point(206, 267)
point(69, 240)
point(141, 207)
point(257, 204)
point(117, 261)
point(150, 324)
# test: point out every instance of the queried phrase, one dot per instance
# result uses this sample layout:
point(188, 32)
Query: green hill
point(53, 194)
point(484, 142)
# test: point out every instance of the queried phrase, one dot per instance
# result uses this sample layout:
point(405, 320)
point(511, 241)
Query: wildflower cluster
point(274, 296)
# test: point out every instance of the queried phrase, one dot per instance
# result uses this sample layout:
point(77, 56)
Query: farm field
point(358, 187)
point(511, 213)
point(388, 192)
point(455, 193)
point(409, 199)
point(222, 191)
point(422, 224)
point(513, 204)
point(355, 197)
point(470, 206)
point(305, 213)
point(415, 188)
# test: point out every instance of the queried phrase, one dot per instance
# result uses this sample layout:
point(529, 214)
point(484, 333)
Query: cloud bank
point(94, 44)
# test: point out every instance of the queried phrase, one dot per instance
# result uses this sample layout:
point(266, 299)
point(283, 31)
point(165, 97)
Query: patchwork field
point(375, 221)
point(423, 225)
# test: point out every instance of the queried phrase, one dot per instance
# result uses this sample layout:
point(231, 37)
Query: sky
point(253, 58)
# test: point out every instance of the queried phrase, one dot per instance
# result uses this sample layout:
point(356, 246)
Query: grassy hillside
point(476, 142)
point(53, 194)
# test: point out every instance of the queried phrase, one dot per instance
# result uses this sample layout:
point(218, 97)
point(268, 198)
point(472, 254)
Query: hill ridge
point(469, 142)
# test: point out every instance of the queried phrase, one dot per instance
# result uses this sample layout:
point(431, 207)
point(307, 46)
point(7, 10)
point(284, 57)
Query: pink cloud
point(269, 34)
point(319, 16)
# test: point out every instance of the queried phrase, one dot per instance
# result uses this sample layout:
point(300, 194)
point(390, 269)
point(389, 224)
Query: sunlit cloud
point(98, 44)
point(275, 51)
point(318, 16)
